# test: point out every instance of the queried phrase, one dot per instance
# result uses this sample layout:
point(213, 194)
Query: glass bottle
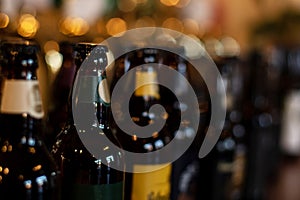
point(156, 184)
point(61, 87)
point(267, 68)
point(231, 148)
point(27, 170)
point(83, 174)
point(186, 176)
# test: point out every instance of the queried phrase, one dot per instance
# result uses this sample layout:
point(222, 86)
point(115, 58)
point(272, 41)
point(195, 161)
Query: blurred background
point(255, 44)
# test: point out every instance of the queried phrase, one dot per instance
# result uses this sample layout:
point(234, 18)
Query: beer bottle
point(27, 170)
point(155, 184)
point(83, 174)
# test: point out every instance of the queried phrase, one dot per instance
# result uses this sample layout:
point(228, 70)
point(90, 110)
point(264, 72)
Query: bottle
point(83, 174)
point(188, 170)
point(289, 140)
point(27, 170)
point(61, 87)
point(155, 184)
point(231, 148)
point(267, 67)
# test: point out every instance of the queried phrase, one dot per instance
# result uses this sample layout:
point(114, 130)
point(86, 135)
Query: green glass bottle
point(85, 176)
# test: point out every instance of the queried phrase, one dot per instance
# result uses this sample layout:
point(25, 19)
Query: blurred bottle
point(282, 184)
point(185, 174)
point(156, 184)
point(172, 179)
point(83, 175)
point(290, 137)
point(231, 148)
point(265, 67)
point(27, 170)
point(61, 88)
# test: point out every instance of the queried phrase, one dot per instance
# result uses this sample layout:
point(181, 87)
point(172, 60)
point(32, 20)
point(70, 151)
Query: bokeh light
point(4, 20)
point(54, 60)
point(190, 26)
point(169, 2)
point(51, 45)
point(115, 26)
point(144, 22)
point(173, 24)
point(74, 26)
point(28, 26)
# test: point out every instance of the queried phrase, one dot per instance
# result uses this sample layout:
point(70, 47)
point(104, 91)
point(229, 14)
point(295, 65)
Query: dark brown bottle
point(231, 148)
point(85, 176)
point(61, 88)
point(155, 184)
point(27, 170)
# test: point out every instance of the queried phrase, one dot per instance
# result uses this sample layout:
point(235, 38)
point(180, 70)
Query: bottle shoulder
point(70, 146)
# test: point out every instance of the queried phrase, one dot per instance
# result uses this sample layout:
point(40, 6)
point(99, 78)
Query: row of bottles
point(73, 171)
point(261, 96)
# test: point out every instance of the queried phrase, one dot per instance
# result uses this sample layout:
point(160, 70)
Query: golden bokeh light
point(173, 24)
point(5, 171)
point(115, 26)
point(51, 45)
point(37, 168)
point(4, 148)
point(190, 26)
point(74, 26)
point(9, 148)
point(145, 22)
point(169, 2)
point(4, 20)
point(28, 26)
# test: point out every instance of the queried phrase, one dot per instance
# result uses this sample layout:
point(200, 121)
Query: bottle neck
point(103, 101)
point(91, 91)
point(78, 55)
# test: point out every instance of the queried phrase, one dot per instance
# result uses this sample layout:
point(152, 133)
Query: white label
point(290, 136)
point(22, 96)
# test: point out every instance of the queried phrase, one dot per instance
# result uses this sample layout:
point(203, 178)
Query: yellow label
point(149, 78)
point(22, 96)
point(153, 185)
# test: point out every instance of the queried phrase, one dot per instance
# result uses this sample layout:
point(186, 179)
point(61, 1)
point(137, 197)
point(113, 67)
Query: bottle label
point(98, 192)
point(153, 185)
point(103, 91)
point(87, 91)
point(149, 89)
point(22, 96)
point(290, 138)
